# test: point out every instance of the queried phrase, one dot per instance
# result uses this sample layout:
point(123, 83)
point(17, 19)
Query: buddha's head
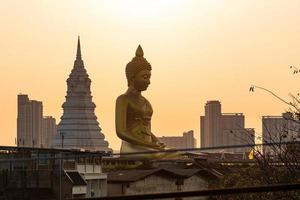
point(138, 71)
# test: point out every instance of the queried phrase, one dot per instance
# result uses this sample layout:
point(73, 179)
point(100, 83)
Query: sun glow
point(144, 9)
point(200, 50)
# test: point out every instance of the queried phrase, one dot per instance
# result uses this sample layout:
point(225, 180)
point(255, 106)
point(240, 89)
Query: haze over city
point(199, 51)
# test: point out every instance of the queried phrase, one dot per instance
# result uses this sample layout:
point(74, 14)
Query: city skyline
point(192, 64)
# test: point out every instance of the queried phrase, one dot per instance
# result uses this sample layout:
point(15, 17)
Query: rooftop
point(135, 175)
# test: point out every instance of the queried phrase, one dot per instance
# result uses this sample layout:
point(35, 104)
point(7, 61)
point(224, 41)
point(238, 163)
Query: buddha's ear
point(130, 79)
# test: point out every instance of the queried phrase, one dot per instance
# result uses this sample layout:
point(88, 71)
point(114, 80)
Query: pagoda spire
point(78, 55)
point(79, 128)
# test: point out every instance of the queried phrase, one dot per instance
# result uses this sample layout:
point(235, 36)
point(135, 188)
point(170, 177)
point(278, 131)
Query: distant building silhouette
point(29, 122)
point(79, 128)
point(33, 130)
point(224, 129)
point(185, 141)
point(48, 131)
point(276, 129)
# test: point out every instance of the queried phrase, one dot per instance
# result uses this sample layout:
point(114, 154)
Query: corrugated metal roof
point(76, 178)
point(134, 174)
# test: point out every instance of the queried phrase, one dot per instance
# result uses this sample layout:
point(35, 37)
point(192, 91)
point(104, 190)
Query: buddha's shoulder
point(123, 97)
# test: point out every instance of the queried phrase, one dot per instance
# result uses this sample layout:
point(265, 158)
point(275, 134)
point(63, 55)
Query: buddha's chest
point(139, 108)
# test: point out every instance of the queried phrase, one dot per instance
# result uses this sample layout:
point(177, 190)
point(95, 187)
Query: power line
point(82, 154)
point(209, 148)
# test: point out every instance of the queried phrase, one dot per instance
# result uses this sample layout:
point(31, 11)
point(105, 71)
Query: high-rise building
point(277, 129)
point(79, 128)
point(185, 141)
point(224, 129)
point(29, 122)
point(48, 131)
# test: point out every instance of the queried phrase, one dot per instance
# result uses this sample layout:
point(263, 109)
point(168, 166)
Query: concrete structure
point(185, 141)
point(29, 122)
point(79, 128)
point(224, 129)
point(221, 157)
point(159, 180)
point(96, 180)
point(48, 131)
point(80, 175)
point(276, 129)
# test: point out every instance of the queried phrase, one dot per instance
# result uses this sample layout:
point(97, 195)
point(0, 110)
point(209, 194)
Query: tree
point(278, 162)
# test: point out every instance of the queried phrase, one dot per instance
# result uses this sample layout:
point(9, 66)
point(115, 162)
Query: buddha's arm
point(156, 140)
point(121, 129)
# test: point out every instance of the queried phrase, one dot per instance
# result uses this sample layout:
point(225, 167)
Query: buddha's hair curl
point(137, 64)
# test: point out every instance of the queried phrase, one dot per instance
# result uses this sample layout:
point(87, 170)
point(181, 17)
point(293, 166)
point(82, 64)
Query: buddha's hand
point(153, 145)
point(138, 130)
point(162, 145)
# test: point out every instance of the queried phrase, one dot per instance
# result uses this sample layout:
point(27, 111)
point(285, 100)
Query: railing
point(23, 173)
point(203, 193)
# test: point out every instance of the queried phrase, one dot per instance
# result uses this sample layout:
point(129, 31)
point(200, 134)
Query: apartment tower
point(29, 122)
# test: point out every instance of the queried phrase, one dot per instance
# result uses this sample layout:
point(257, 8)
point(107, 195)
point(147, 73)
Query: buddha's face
point(141, 80)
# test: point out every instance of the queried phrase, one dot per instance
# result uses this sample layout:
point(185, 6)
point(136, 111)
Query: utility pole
point(62, 139)
point(60, 174)
point(23, 167)
point(60, 165)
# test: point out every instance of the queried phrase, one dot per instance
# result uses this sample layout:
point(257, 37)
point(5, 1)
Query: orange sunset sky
point(199, 51)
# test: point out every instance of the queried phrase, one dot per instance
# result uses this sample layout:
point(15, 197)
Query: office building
point(48, 131)
point(185, 141)
point(224, 129)
point(278, 129)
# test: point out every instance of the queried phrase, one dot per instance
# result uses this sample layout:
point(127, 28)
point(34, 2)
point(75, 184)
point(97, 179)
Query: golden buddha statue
point(134, 112)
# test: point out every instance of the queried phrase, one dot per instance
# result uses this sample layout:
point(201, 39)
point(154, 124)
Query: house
point(158, 180)
point(40, 173)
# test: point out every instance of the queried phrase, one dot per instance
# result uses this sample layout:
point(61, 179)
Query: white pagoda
point(79, 128)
